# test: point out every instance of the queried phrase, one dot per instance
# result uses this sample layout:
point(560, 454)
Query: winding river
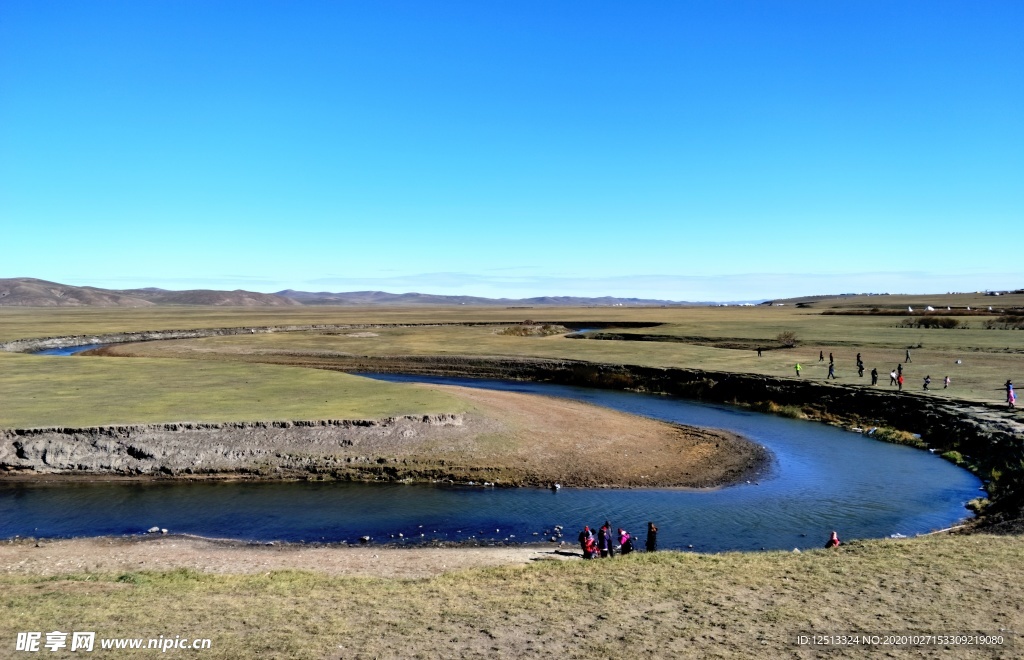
point(821, 478)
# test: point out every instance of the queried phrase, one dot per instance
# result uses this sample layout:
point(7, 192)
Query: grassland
point(730, 605)
point(40, 392)
point(987, 357)
point(664, 605)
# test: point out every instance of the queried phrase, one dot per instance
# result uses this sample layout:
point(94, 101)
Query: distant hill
point(29, 292)
point(236, 298)
point(384, 298)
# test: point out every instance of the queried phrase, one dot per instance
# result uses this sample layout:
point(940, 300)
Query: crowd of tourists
point(896, 376)
point(603, 544)
point(606, 543)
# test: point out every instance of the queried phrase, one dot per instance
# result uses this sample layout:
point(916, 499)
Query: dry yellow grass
point(731, 605)
point(987, 357)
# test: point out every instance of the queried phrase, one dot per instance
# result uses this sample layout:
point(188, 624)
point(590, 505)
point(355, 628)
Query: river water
point(69, 350)
point(821, 478)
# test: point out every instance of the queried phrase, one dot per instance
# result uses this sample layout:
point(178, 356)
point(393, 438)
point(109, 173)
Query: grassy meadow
point(669, 604)
point(40, 391)
point(706, 339)
point(54, 391)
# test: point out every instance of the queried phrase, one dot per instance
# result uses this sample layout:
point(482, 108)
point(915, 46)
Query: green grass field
point(40, 391)
point(987, 357)
point(121, 390)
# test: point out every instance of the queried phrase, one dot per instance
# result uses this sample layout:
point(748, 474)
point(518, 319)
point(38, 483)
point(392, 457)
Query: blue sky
point(683, 150)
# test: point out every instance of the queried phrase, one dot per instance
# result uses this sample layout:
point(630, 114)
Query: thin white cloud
point(747, 286)
point(502, 284)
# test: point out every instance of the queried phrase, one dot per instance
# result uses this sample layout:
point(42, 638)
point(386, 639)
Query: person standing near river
point(585, 535)
point(604, 540)
point(874, 375)
point(625, 542)
point(1011, 396)
point(652, 537)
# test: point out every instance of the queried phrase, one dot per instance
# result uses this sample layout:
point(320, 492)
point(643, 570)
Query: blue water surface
point(820, 478)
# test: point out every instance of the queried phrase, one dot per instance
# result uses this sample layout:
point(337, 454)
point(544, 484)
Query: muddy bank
point(507, 439)
point(165, 553)
point(243, 448)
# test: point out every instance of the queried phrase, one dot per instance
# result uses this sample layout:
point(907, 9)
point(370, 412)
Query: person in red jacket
point(833, 541)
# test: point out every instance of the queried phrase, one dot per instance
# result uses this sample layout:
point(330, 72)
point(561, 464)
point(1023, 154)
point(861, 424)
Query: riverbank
point(506, 438)
point(53, 557)
point(986, 440)
point(424, 602)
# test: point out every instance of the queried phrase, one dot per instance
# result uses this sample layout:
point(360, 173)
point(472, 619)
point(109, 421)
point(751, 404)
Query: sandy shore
point(162, 553)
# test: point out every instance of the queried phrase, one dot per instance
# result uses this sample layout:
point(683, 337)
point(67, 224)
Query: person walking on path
point(1011, 396)
point(759, 352)
point(831, 359)
point(859, 362)
point(945, 383)
point(907, 359)
point(798, 369)
point(892, 377)
point(899, 369)
point(652, 537)
point(927, 382)
point(874, 376)
point(899, 382)
point(831, 371)
point(821, 356)
point(860, 369)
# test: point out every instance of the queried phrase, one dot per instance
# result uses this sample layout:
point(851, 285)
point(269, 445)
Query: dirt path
point(162, 553)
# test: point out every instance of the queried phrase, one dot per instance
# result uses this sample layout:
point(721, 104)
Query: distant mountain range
point(383, 298)
point(29, 292)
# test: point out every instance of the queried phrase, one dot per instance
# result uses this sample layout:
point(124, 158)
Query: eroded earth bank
point(505, 438)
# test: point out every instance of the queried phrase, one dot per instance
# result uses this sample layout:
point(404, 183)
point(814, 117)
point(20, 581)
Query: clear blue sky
point(687, 150)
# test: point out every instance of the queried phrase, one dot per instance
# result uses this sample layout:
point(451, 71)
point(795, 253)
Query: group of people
point(603, 543)
point(896, 375)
